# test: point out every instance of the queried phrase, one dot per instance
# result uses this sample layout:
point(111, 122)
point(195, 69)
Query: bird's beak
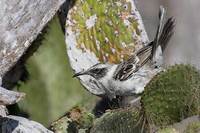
point(79, 74)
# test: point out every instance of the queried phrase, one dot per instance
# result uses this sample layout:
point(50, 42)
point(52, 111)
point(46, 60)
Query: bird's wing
point(133, 64)
point(145, 54)
point(125, 69)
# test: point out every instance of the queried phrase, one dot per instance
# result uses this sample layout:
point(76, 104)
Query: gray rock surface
point(21, 21)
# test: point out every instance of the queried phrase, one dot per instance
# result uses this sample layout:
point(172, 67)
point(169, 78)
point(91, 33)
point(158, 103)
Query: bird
point(129, 77)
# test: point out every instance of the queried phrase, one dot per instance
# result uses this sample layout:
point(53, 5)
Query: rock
point(21, 21)
point(15, 124)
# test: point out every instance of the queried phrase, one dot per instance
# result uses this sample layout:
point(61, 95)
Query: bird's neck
point(111, 72)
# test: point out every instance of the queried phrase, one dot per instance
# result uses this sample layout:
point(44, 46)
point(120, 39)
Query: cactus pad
point(102, 31)
point(118, 121)
point(172, 95)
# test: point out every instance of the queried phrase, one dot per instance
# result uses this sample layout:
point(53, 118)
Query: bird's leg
point(135, 102)
point(121, 101)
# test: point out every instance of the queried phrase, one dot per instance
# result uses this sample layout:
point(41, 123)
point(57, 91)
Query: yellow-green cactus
point(172, 95)
point(108, 28)
point(119, 121)
point(102, 31)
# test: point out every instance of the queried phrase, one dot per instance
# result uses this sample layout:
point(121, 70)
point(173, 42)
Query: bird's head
point(97, 71)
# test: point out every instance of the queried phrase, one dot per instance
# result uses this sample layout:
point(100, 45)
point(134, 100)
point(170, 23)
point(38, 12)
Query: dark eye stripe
point(98, 72)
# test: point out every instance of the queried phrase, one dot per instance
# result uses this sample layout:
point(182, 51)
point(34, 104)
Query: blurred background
point(184, 46)
point(51, 90)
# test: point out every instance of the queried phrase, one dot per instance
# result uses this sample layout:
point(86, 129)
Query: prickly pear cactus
point(102, 31)
point(76, 120)
point(172, 95)
point(118, 121)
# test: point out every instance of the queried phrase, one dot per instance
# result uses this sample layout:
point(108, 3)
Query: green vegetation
point(118, 121)
point(172, 95)
point(76, 120)
point(115, 33)
point(51, 90)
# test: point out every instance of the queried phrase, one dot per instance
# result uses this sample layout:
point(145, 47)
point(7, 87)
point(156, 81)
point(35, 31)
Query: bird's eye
point(96, 71)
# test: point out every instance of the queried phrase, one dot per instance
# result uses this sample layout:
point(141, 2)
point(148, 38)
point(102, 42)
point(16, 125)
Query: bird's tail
point(167, 33)
point(164, 32)
point(163, 35)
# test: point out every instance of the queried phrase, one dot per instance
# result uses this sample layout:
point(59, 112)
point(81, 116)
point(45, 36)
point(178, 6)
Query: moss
point(172, 95)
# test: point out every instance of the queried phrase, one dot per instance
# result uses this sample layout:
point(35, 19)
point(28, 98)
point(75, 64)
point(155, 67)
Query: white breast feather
point(134, 85)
